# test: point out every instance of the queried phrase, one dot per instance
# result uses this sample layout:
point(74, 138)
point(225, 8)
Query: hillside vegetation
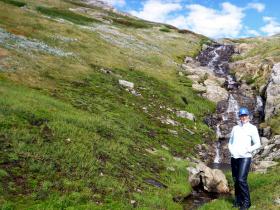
point(71, 137)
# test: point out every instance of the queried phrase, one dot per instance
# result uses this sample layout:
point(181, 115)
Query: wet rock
point(213, 180)
point(272, 105)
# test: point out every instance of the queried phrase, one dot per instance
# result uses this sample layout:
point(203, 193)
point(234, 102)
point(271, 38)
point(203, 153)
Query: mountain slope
point(71, 135)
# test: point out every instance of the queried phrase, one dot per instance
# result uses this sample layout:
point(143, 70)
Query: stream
point(216, 57)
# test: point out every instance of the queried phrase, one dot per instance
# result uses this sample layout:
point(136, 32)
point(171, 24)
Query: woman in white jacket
point(244, 139)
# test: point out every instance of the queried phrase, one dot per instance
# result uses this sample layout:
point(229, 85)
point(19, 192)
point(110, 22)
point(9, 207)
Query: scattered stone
point(277, 201)
point(134, 92)
point(186, 115)
point(170, 168)
point(126, 84)
point(177, 158)
point(165, 147)
point(168, 121)
point(190, 131)
point(151, 151)
point(180, 74)
point(173, 132)
point(12, 41)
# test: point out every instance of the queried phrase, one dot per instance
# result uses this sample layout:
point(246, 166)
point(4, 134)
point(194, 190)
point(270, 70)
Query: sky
point(213, 18)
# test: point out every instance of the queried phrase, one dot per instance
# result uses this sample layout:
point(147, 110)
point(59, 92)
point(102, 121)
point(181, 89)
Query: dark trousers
point(240, 169)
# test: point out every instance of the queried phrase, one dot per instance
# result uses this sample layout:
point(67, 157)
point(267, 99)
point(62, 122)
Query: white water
point(216, 57)
point(259, 104)
point(233, 106)
point(217, 145)
point(217, 149)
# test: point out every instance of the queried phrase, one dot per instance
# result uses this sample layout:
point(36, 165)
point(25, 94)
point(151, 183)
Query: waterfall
point(233, 106)
point(259, 104)
point(217, 145)
point(216, 57)
point(217, 149)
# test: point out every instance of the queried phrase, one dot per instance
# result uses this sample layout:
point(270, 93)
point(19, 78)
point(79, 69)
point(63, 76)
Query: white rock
point(186, 115)
point(126, 84)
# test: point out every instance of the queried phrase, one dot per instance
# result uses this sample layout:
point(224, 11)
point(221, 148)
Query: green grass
point(14, 2)
point(165, 29)
point(66, 15)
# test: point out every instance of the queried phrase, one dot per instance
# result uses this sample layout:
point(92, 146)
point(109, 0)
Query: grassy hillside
point(71, 137)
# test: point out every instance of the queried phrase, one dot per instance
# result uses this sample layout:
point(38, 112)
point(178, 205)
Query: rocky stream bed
point(212, 79)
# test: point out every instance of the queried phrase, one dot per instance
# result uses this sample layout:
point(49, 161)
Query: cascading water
point(216, 58)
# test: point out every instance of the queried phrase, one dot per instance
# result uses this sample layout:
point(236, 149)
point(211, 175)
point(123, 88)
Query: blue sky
point(213, 18)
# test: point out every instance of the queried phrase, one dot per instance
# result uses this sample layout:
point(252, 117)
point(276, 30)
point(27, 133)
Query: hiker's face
point(244, 118)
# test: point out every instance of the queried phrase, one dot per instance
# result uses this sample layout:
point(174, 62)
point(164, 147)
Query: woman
point(241, 148)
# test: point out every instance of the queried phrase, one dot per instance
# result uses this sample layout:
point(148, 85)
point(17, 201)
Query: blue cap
point(243, 111)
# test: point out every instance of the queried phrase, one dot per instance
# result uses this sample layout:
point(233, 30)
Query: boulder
point(272, 105)
point(215, 93)
point(212, 180)
point(186, 115)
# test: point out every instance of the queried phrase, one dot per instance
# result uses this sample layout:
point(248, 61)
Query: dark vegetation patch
point(14, 2)
point(165, 29)
point(66, 15)
point(130, 22)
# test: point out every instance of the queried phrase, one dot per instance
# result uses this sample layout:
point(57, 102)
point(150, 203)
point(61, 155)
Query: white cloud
point(115, 2)
point(214, 23)
point(257, 6)
point(272, 26)
point(253, 32)
point(157, 10)
point(179, 21)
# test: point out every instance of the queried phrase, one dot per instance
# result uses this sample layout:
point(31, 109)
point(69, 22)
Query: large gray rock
point(272, 105)
point(213, 180)
point(215, 93)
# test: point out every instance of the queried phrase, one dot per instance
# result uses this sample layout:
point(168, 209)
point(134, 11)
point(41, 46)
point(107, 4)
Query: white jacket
point(241, 138)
